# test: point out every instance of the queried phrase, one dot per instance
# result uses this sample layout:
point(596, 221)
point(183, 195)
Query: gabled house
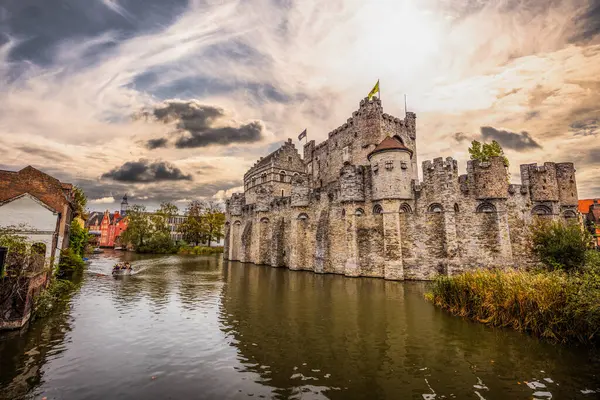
point(38, 206)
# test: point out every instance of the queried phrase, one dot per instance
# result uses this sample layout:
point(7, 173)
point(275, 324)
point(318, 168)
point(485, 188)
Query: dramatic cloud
point(197, 125)
point(586, 127)
point(510, 140)
point(223, 83)
point(156, 143)
point(144, 171)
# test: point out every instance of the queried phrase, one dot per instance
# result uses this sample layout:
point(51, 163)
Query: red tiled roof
point(584, 205)
point(389, 143)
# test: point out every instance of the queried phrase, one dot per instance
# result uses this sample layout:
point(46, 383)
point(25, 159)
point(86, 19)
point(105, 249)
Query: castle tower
point(488, 178)
point(391, 166)
point(124, 206)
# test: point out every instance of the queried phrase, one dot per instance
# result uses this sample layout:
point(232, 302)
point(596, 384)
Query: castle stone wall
point(342, 214)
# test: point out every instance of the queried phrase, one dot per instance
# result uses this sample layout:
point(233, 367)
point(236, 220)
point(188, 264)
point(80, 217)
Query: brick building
point(107, 227)
point(39, 208)
point(354, 205)
point(41, 204)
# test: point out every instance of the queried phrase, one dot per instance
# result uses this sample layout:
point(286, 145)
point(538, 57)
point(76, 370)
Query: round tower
point(391, 167)
point(124, 206)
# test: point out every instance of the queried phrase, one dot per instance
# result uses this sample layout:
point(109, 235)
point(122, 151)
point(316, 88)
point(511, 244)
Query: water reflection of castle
point(366, 338)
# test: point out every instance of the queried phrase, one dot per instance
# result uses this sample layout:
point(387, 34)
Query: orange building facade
point(590, 209)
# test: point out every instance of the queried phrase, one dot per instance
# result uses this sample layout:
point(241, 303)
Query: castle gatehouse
point(354, 205)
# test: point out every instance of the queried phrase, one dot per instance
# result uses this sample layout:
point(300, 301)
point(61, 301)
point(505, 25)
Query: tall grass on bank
point(200, 250)
point(554, 305)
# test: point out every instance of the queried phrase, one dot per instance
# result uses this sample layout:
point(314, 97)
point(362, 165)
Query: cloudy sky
point(175, 99)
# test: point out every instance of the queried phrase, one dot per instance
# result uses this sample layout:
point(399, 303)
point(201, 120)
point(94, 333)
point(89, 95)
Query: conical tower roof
point(390, 144)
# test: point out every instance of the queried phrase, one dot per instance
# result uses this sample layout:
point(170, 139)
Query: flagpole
point(405, 106)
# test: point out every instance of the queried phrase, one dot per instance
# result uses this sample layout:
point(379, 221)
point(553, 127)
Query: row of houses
point(106, 227)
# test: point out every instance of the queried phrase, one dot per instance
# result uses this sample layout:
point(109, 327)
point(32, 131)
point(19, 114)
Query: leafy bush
point(78, 238)
point(560, 245)
point(554, 305)
point(56, 292)
point(69, 263)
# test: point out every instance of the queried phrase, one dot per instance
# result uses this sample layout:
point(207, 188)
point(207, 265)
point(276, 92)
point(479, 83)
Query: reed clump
point(554, 305)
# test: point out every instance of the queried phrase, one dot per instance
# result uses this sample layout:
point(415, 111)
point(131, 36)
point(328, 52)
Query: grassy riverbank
point(554, 305)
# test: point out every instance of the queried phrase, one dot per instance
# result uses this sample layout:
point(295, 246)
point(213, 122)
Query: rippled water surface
point(201, 328)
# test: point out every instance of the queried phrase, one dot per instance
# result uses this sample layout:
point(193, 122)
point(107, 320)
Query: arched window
point(343, 212)
point(253, 181)
point(435, 208)
point(263, 178)
point(237, 223)
point(569, 214)
point(405, 208)
point(303, 217)
point(359, 212)
point(486, 208)
point(282, 176)
point(264, 220)
point(541, 210)
point(456, 209)
point(377, 209)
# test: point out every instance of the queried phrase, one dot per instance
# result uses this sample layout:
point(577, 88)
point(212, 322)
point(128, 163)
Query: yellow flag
point(375, 90)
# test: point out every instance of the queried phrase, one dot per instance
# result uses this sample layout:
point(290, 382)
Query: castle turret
point(488, 179)
point(541, 181)
point(235, 204)
point(124, 206)
point(352, 186)
point(392, 170)
point(264, 195)
point(300, 195)
point(567, 186)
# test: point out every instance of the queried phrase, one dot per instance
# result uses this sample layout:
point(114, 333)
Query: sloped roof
point(32, 197)
point(584, 205)
point(389, 143)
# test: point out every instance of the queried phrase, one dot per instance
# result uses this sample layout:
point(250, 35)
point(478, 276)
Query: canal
point(203, 328)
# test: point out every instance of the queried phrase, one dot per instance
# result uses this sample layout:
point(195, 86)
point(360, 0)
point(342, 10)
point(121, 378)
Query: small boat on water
point(98, 250)
point(122, 269)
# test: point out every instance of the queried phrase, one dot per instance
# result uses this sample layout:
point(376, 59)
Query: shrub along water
point(559, 301)
point(555, 305)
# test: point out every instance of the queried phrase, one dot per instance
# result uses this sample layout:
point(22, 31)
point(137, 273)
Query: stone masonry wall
point(336, 220)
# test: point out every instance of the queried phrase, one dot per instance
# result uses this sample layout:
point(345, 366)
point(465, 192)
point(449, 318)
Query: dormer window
point(389, 165)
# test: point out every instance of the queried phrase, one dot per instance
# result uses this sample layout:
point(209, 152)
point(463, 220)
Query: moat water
point(201, 328)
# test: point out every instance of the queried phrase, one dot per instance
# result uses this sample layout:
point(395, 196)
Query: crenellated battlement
point(355, 205)
point(488, 179)
point(235, 204)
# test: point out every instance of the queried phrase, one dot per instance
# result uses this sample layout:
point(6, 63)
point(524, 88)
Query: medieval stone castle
point(354, 205)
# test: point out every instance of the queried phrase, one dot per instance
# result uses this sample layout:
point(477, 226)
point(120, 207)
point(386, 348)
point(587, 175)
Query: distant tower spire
point(124, 206)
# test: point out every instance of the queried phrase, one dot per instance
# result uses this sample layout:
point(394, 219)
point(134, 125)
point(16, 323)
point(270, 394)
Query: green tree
point(138, 230)
point(192, 229)
point(214, 221)
point(560, 245)
point(80, 202)
point(78, 238)
point(484, 151)
point(160, 239)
